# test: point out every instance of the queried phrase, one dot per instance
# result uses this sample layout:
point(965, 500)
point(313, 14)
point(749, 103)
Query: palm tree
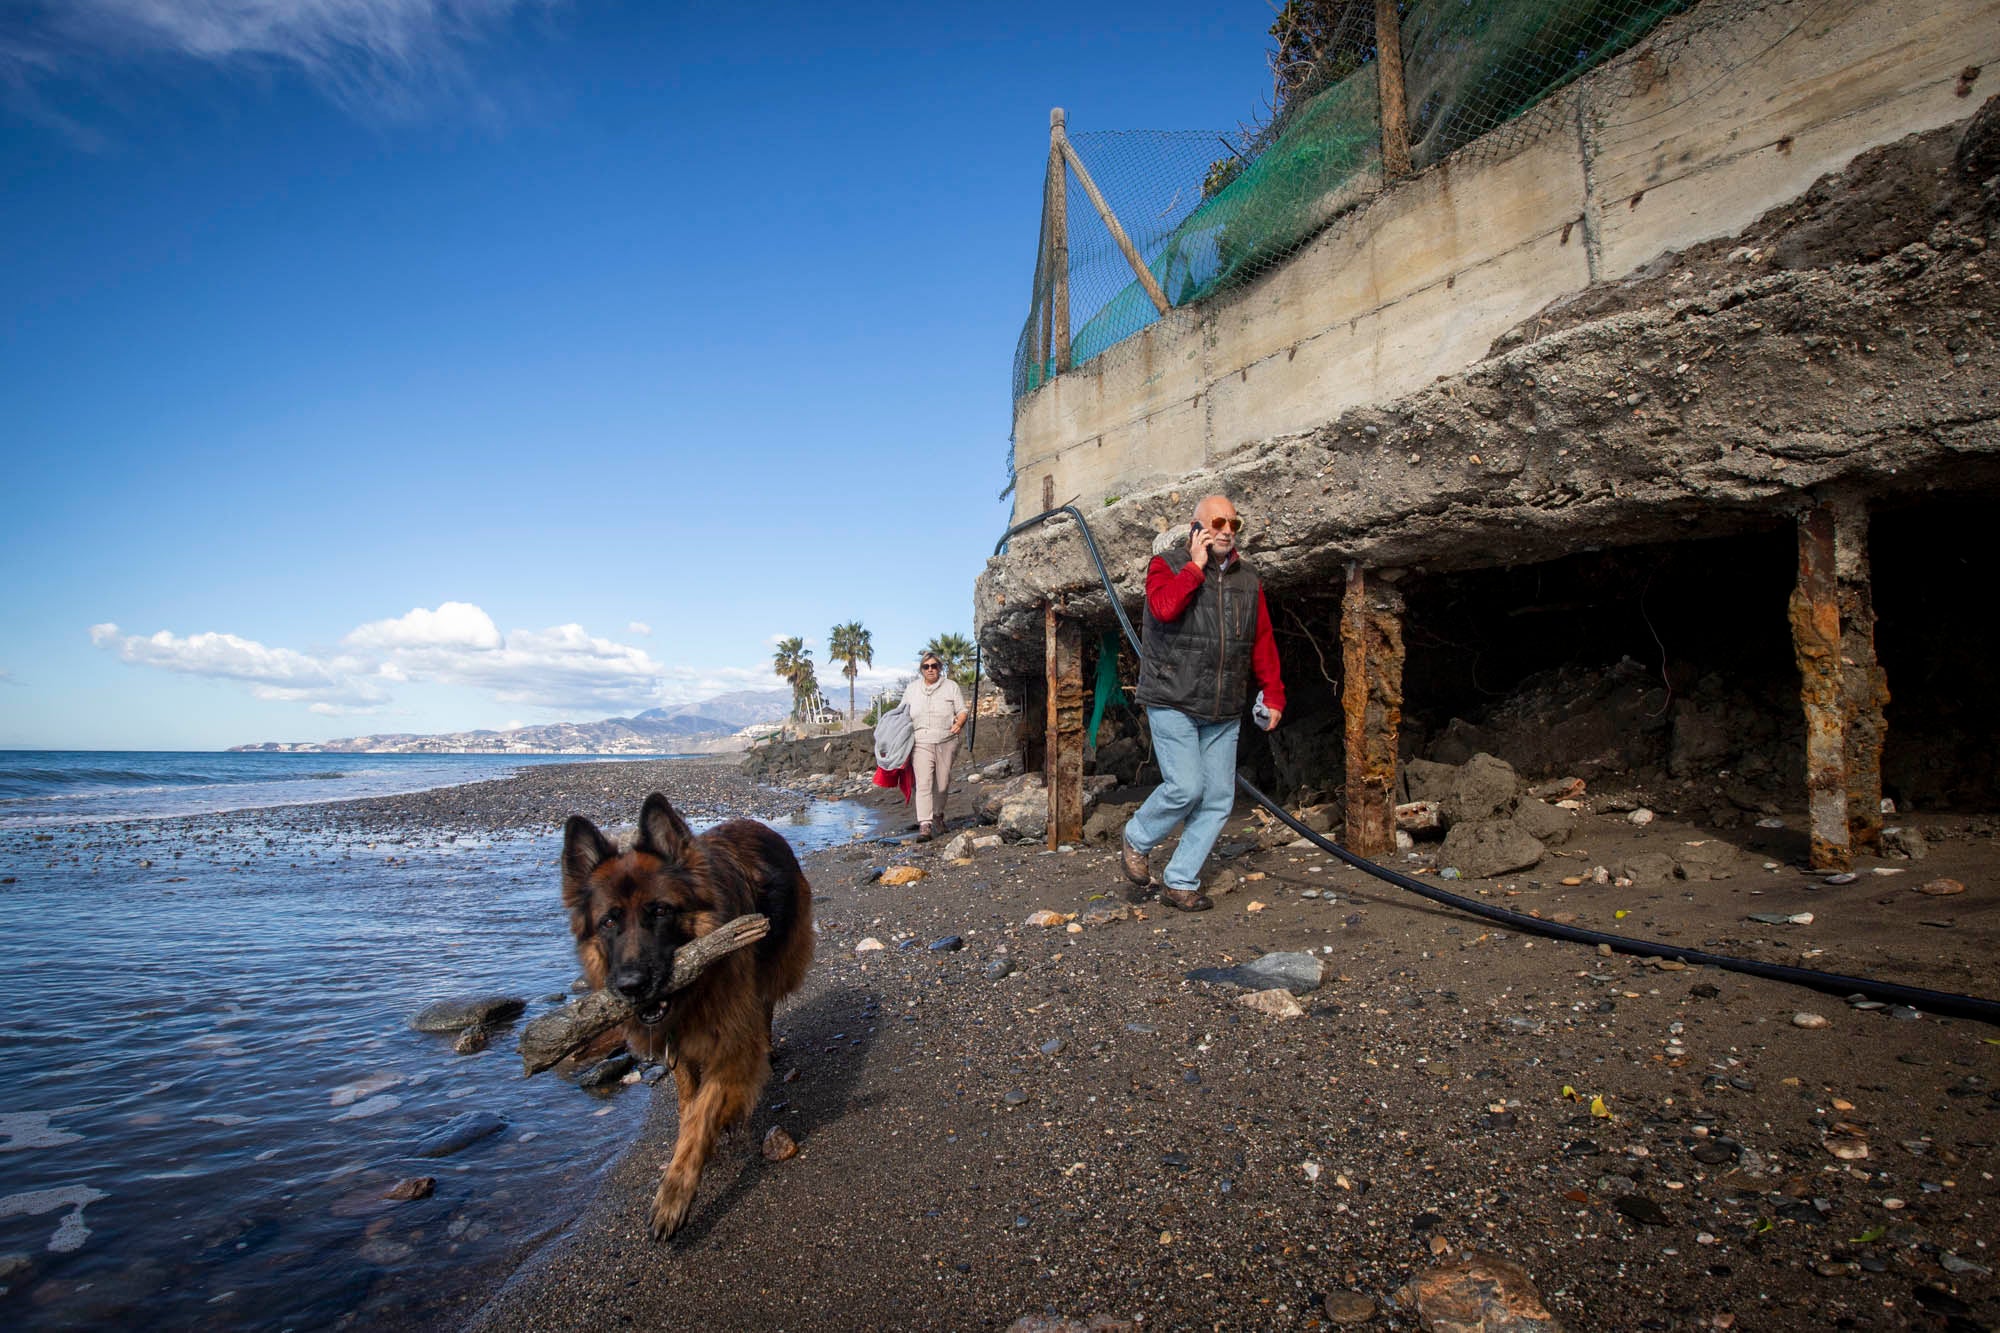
point(850, 644)
point(793, 665)
point(955, 651)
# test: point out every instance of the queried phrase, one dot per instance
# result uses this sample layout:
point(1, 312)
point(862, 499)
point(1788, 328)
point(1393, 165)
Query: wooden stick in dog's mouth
point(554, 1035)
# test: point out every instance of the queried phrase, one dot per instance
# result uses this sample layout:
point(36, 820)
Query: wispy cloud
point(376, 58)
point(7, 677)
point(639, 627)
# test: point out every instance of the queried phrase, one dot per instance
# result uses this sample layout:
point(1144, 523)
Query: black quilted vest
point(1200, 664)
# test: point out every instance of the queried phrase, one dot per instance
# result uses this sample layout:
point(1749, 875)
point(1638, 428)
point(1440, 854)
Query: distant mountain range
point(710, 724)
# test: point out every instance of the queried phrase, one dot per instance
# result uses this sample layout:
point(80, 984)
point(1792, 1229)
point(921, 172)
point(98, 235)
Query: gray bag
point(895, 737)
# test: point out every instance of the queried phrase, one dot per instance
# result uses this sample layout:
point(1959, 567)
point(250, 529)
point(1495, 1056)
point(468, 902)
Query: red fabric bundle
point(904, 779)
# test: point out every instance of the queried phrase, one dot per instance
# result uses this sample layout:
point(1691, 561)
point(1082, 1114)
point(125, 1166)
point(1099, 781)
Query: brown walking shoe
point(1186, 900)
point(1134, 861)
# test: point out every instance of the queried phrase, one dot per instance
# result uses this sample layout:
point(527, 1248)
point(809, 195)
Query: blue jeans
point(1198, 784)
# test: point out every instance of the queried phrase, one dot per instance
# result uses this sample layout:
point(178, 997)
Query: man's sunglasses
point(1230, 524)
point(933, 666)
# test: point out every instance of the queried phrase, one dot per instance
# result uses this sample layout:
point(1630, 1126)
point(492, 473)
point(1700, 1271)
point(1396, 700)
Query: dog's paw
point(670, 1209)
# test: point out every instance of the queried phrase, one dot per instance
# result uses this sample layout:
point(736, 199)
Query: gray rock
point(1053, 1046)
point(607, 1071)
point(949, 944)
point(1549, 823)
point(959, 846)
point(1648, 867)
point(466, 1011)
point(1905, 842)
point(997, 968)
point(1426, 781)
point(1021, 810)
point(1483, 789)
point(1103, 914)
point(1299, 973)
point(461, 1131)
point(472, 1040)
point(1713, 859)
point(1482, 848)
point(1107, 821)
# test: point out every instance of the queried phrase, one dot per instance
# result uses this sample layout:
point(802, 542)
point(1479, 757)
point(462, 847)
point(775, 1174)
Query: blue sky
point(419, 365)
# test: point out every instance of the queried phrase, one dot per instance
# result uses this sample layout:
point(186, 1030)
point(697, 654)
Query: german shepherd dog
point(630, 908)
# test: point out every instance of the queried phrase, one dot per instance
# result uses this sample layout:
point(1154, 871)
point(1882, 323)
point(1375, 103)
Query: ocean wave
point(31, 782)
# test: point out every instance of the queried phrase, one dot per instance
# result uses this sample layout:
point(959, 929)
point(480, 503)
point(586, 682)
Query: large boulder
point(1483, 848)
point(1550, 823)
point(1024, 814)
point(1427, 781)
point(990, 802)
point(1483, 789)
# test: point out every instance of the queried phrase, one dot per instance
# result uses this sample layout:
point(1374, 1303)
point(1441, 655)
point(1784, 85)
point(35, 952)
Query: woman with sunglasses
point(937, 714)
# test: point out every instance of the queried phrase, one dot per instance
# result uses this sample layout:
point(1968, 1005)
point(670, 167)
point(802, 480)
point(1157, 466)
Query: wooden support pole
point(1815, 620)
point(1058, 205)
point(1389, 85)
point(1125, 246)
point(1864, 684)
point(1063, 764)
point(1371, 696)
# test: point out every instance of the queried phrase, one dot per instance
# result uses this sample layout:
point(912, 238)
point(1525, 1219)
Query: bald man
point(1207, 634)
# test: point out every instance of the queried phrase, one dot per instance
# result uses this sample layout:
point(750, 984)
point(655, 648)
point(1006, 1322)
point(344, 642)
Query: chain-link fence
point(1206, 211)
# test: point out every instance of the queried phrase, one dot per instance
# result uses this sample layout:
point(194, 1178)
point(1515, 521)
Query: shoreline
point(1057, 1123)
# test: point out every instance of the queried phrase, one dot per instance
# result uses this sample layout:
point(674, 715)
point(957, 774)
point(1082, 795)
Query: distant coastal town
point(721, 725)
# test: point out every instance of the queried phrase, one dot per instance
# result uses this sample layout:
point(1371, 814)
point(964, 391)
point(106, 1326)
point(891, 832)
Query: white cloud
point(639, 627)
point(223, 655)
point(7, 677)
point(373, 57)
point(564, 668)
point(277, 674)
point(454, 626)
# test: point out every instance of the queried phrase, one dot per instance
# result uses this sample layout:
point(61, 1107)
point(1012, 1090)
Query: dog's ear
point(584, 849)
point(662, 831)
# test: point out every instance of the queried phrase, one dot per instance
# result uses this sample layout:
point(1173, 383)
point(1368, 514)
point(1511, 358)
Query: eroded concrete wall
point(1689, 137)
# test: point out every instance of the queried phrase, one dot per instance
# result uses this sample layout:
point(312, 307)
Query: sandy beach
point(1059, 1122)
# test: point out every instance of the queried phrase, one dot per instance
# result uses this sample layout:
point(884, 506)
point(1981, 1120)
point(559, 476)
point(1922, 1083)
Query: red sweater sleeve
point(1168, 593)
point(1264, 658)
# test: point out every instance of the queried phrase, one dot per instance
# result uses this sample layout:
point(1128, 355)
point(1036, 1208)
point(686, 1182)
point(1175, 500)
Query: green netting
point(1470, 67)
point(1207, 214)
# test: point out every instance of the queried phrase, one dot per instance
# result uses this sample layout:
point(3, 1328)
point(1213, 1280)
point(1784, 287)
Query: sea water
point(75, 786)
point(208, 1079)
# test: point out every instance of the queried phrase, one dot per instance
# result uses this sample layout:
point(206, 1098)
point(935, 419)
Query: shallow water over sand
point(208, 1078)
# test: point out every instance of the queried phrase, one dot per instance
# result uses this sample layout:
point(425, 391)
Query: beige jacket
point(933, 708)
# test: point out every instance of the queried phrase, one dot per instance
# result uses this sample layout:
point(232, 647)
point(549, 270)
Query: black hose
point(1948, 1003)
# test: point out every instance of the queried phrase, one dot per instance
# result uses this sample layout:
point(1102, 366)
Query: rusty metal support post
point(1371, 695)
point(1815, 619)
point(1389, 85)
point(1864, 685)
point(1063, 766)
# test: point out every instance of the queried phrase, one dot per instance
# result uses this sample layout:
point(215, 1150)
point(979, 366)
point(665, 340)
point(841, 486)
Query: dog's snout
point(629, 981)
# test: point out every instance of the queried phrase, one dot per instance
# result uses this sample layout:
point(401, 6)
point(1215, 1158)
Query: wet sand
point(1096, 1134)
